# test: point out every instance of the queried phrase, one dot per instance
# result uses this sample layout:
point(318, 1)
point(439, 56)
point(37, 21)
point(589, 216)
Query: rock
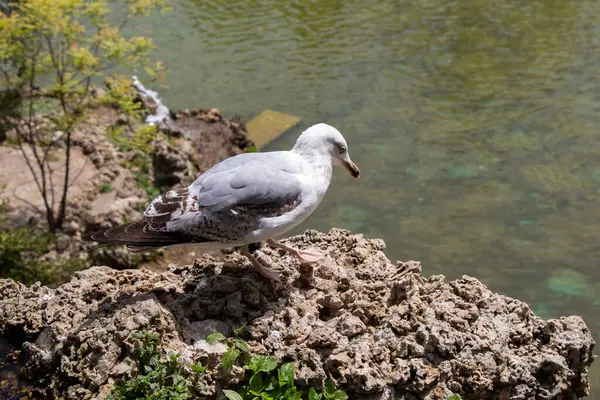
point(172, 165)
point(379, 330)
point(212, 137)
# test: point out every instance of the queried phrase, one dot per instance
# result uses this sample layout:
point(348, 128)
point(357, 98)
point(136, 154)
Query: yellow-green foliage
point(144, 138)
point(71, 40)
point(122, 95)
point(138, 147)
point(56, 47)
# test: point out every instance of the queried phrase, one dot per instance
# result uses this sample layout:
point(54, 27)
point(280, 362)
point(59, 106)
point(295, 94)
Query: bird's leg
point(304, 256)
point(261, 266)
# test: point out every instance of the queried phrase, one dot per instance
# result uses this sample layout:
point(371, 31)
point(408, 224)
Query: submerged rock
point(378, 329)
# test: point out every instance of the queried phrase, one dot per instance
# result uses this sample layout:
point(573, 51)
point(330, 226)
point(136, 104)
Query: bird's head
point(325, 139)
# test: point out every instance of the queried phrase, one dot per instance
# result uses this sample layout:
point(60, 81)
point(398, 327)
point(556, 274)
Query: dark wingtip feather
point(141, 249)
point(136, 237)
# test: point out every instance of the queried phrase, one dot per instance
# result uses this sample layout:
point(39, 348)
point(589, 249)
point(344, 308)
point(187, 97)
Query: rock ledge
point(380, 330)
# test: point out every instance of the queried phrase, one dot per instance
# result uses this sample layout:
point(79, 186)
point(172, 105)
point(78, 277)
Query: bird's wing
point(229, 200)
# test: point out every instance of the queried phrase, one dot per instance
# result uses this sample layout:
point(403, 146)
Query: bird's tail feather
point(136, 236)
point(141, 249)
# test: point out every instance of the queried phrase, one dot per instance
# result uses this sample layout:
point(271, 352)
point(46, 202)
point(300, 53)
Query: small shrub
point(163, 377)
point(138, 147)
point(264, 379)
point(20, 250)
point(159, 377)
point(122, 95)
point(116, 136)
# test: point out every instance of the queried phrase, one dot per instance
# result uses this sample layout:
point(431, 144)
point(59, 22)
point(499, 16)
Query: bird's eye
point(342, 149)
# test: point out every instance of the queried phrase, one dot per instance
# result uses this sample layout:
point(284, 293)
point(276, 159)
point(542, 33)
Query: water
point(475, 124)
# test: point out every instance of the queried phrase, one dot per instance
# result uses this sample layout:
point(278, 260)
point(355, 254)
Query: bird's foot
point(264, 269)
point(269, 274)
point(261, 265)
point(308, 256)
point(305, 256)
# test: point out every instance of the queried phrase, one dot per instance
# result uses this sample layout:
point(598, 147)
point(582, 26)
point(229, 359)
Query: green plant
point(264, 380)
point(144, 181)
point(144, 138)
point(106, 187)
point(159, 377)
point(138, 147)
point(54, 48)
point(267, 382)
point(122, 95)
point(235, 347)
point(116, 136)
point(20, 251)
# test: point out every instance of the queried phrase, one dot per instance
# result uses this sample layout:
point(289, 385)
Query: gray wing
point(228, 201)
point(246, 180)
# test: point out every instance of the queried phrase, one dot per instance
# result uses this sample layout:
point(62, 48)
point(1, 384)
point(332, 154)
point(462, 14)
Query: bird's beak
point(347, 163)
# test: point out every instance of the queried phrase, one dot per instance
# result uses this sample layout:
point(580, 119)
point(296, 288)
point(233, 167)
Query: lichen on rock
point(378, 329)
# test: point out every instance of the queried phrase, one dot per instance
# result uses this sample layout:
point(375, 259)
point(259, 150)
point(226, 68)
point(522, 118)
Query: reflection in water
point(474, 122)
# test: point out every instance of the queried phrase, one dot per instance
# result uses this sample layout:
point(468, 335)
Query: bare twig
point(42, 183)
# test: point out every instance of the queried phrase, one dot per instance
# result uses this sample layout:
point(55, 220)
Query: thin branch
point(26, 157)
point(63, 200)
point(33, 139)
point(50, 174)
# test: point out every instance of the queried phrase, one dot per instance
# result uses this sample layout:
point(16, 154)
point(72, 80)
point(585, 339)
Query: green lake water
point(476, 125)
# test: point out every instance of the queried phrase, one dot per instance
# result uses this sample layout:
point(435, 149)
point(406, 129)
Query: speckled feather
point(228, 201)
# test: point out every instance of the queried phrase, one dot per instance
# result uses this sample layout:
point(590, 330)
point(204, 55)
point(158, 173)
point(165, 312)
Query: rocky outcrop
point(379, 329)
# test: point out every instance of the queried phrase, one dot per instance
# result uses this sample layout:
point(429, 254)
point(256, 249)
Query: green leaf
point(238, 331)
point(198, 368)
point(174, 357)
point(313, 395)
point(232, 395)
point(262, 364)
point(215, 337)
point(229, 358)
point(256, 384)
point(454, 397)
point(273, 383)
point(240, 344)
point(286, 374)
point(329, 388)
point(339, 395)
point(295, 396)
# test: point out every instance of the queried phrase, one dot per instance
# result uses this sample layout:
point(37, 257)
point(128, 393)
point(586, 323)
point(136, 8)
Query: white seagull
point(242, 200)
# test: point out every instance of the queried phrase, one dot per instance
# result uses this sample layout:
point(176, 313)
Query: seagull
point(245, 199)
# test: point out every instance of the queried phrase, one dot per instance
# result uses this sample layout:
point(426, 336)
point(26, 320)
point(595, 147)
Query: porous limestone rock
point(379, 329)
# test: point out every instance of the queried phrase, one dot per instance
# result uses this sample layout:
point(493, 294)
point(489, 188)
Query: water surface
point(475, 124)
